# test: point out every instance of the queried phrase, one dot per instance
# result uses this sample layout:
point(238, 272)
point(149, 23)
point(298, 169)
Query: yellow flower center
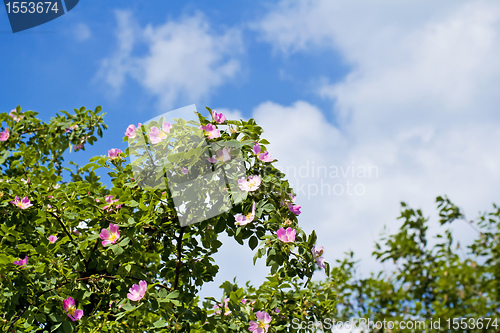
point(262, 324)
point(71, 310)
point(249, 216)
point(113, 236)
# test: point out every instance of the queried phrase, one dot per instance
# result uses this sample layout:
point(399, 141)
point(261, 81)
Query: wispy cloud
point(180, 61)
point(419, 103)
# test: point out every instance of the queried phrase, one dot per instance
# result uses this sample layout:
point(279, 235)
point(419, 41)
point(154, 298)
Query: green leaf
point(253, 242)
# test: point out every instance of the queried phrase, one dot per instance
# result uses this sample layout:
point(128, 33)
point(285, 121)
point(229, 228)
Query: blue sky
point(409, 88)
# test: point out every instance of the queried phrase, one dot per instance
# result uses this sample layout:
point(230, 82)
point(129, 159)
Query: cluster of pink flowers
point(317, 254)
point(222, 155)
point(114, 154)
point(14, 115)
point(250, 185)
point(131, 130)
point(4, 136)
point(262, 323)
point(264, 157)
point(286, 236)
point(245, 219)
point(24, 203)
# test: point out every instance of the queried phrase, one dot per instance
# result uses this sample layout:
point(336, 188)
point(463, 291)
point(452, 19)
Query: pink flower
point(110, 236)
point(226, 307)
point(262, 323)
point(320, 262)
point(13, 114)
point(114, 153)
point(78, 147)
point(218, 117)
point(249, 185)
point(23, 204)
point(110, 201)
point(52, 239)
point(211, 131)
point(317, 254)
point(137, 291)
point(21, 262)
point(155, 135)
point(264, 157)
point(294, 208)
point(277, 310)
point(222, 156)
point(242, 219)
point(287, 236)
point(71, 310)
point(4, 135)
point(130, 131)
point(166, 127)
point(76, 232)
point(185, 170)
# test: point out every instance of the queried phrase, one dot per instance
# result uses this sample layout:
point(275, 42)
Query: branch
point(67, 233)
point(179, 256)
point(17, 318)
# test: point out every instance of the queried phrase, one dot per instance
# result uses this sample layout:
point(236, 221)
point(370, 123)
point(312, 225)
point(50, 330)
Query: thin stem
point(179, 256)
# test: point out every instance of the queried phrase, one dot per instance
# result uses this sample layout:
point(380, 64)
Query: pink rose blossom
point(244, 220)
point(155, 135)
point(71, 310)
point(262, 323)
point(110, 201)
point(4, 135)
point(21, 262)
point(226, 308)
point(218, 117)
point(317, 254)
point(264, 157)
point(137, 292)
point(249, 185)
point(294, 208)
point(222, 156)
point(52, 239)
point(13, 114)
point(166, 126)
point(23, 204)
point(130, 131)
point(211, 131)
point(114, 153)
point(110, 236)
point(287, 236)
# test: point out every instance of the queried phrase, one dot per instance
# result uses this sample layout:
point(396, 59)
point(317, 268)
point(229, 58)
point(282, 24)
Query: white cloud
point(179, 61)
point(419, 103)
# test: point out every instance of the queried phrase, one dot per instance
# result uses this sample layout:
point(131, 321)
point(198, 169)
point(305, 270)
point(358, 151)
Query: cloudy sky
point(365, 103)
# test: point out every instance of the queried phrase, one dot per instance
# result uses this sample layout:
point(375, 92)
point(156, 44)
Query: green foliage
point(430, 279)
point(175, 261)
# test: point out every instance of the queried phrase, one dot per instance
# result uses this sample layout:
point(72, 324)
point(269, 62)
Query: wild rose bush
point(79, 256)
